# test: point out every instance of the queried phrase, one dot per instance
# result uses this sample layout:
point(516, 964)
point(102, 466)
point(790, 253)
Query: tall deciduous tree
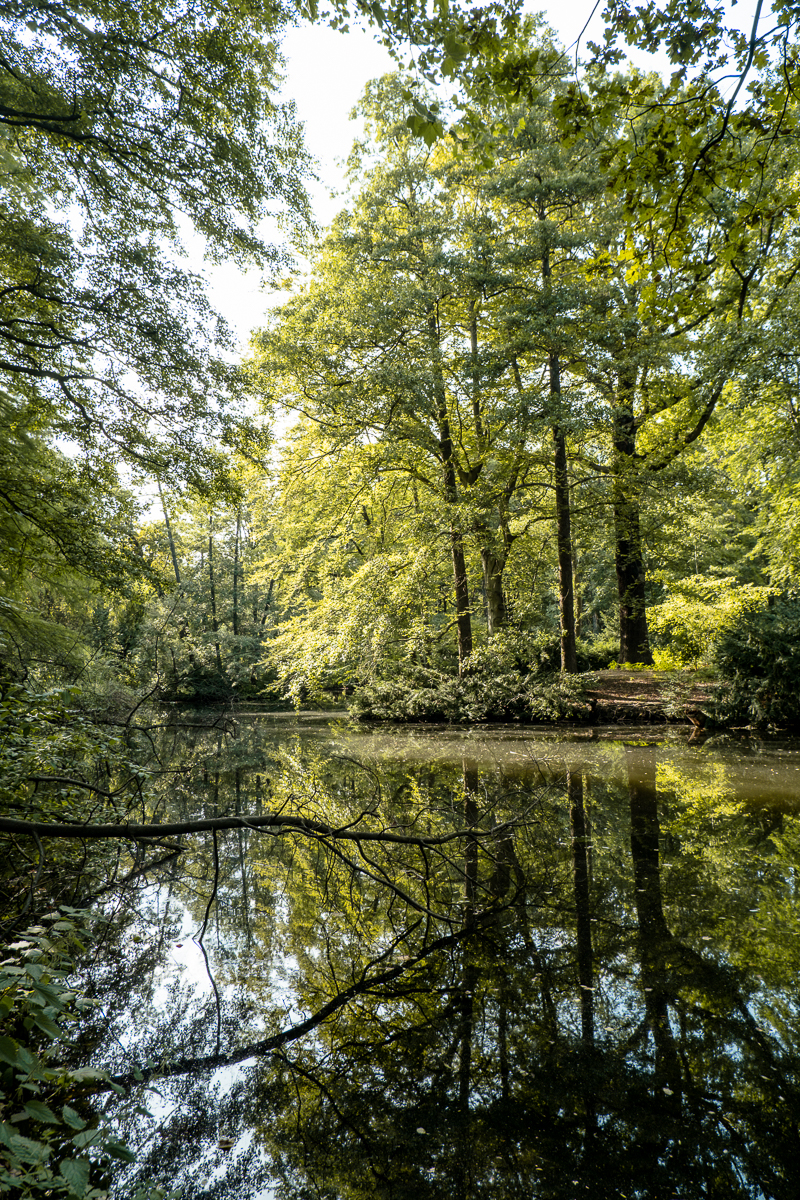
point(394, 343)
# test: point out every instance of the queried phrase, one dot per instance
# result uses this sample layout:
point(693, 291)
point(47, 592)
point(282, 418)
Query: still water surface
point(555, 966)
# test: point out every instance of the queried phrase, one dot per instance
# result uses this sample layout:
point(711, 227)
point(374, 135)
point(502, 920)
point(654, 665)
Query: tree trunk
point(628, 553)
point(492, 563)
point(566, 604)
point(213, 589)
point(496, 614)
point(655, 937)
point(583, 928)
point(463, 615)
point(566, 601)
point(236, 572)
point(580, 871)
point(469, 979)
point(170, 538)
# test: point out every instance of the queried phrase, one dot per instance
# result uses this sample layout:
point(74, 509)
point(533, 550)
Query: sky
point(325, 76)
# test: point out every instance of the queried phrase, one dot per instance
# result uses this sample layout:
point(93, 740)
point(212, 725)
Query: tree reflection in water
point(569, 998)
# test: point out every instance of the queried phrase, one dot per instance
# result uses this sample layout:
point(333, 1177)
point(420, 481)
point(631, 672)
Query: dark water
point(557, 967)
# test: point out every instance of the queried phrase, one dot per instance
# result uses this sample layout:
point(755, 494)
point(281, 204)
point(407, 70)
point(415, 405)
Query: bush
point(53, 1141)
point(598, 654)
point(696, 613)
point(758, 659)
point(495, 685)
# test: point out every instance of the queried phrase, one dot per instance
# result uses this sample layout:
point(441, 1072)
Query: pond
point(493, 963)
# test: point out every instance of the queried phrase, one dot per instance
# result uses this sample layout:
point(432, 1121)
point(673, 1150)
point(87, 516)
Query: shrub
point(598, 654)
point(52, 1141)
point(697, 612)
point(758, 659)
point(494, 686)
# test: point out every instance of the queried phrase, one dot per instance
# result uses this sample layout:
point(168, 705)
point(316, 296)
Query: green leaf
point(28, 1150)
point(76, 1173)
point(48, 1026)
point(87, 1075)
point(9, 1051)
point(120, 1151)
point(72, 1118)
point(455, 49)
point(41, 1112)
point(87, 1137)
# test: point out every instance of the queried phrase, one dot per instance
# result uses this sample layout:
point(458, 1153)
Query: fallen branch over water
point(274, 821)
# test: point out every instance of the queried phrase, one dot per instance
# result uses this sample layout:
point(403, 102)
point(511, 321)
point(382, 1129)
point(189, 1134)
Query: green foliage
point(117, 120)
point(53, 1142)
point(66, 538)
point(122, 127)
point(698, 612)
point(760, 438)
point(758, 659)
point(496, 684)
point(58, 764)
point(201, 639)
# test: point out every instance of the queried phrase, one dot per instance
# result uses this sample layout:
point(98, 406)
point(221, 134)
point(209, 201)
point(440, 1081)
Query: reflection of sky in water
point(717, 904)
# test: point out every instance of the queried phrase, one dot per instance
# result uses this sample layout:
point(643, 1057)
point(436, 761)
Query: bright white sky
point(326, 73)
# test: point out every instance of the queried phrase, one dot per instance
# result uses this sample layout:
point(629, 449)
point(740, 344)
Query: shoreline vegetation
point(605, 697)
point(614, 696)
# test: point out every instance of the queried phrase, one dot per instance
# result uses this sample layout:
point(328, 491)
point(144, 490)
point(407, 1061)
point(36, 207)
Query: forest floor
point(617, 695)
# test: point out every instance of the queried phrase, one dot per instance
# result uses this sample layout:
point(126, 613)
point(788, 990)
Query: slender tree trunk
point(654, 935)
point(469, 979)
point(493, 566)
point(213, 589)
point(576, 591)
point(463, 614)
point(583, 924)
point(580, 871)
point(492, 563)
point(628, 551)
point(236, 569)
point(267, 603)
point(170, 538)
point(566, 601)
point(477, 414)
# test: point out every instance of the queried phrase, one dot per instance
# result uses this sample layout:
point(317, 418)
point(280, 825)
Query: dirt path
point(619, 696)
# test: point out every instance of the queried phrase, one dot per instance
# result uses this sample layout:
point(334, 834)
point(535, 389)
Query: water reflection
point(526, 968)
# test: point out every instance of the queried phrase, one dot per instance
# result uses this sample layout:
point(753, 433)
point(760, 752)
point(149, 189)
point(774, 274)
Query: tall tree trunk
point(236, 572)
point(461, 586)
point(463, 614)
point(493, 566)
point(477, 414)
point(170, 538)
point(469, 980)
point(213, 589)
point(628, 552)
point(492, 563)
point(655, 937)
point(583, 928)
point(566, 600)
point(566, 603)
point(580, 872)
